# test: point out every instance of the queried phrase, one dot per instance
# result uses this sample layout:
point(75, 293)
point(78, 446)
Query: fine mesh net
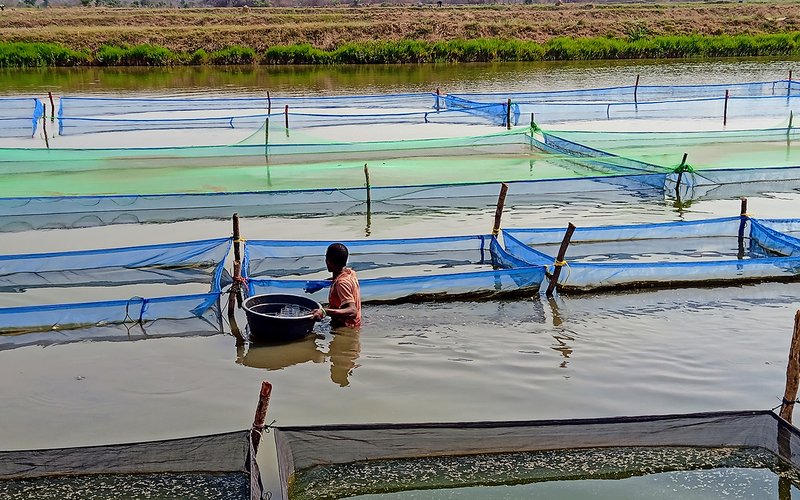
point(734, 100)
point(345, 460)
point(131, 284)
point(390, 270)
point(19, 117)
point(734, 248)
point(219, 466)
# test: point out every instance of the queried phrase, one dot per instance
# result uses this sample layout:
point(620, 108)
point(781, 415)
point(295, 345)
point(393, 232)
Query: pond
point(605, 354)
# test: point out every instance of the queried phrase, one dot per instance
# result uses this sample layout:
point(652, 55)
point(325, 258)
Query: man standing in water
point(344, 299)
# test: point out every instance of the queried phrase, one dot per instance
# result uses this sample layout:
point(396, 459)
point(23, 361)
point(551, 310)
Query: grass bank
point(21, 54)
point(395, 34)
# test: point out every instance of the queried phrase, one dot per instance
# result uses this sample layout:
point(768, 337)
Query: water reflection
point(341, 349)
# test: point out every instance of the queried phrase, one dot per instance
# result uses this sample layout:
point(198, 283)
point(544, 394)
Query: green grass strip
point(20, 54)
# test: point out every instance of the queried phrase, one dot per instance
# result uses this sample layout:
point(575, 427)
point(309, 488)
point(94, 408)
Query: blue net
point(744, 100)
point(392, 270)
point(138, 275)
point(497, 114)
point(79, 115)
point(19, 117)
point(726, 249)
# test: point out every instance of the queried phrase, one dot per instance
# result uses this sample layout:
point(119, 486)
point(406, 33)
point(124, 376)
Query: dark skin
point(348, 309)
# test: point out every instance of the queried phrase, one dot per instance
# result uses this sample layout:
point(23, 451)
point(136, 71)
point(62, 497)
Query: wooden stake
point(792, 373)
point(636, 91)
point(742, 223)
point(236, 239)
point(261, 413)
point(562, 251)
point(680, 176)
point(725, 109)
point(366, 177)
point(791, 117)
point(437, 98)
point(508, 114)
point(498, 213)
point(52, 107)
point(533, 121)
point(286, 118)
point(269, 104)
point(235, 291)
point(44, 131)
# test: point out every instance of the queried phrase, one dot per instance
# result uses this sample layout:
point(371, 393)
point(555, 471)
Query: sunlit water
point(667, 351)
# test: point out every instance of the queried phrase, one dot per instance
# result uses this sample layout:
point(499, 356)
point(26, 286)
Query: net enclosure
point(393, 269)
point(19, 116)
point(336, 461)
point(115, 285)
point(694, 164)
point(82, 115)
point(666, 254)
point(641, 102)
point(209, 467)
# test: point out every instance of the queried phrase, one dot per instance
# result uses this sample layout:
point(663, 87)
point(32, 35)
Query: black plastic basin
point(268, 323)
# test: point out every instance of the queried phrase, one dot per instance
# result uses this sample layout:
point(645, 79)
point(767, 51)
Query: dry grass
point(185, 30)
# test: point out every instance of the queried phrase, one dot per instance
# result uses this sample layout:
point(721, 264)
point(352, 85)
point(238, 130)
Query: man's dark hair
point(337, 253)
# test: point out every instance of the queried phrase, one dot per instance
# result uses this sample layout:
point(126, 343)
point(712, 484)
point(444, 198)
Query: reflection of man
point(343, 351)
point(344, 299)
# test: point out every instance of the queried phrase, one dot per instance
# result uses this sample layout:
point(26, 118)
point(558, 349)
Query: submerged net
point(131, 284)
point(392, 270)
point(335, 461)
point(218, 466)
point(667, 254)
point(19, 116)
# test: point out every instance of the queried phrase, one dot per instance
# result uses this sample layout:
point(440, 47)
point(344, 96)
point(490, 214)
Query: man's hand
point(318, 314)
point(315, 286)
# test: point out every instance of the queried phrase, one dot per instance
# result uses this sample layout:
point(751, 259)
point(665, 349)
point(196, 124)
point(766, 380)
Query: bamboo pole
point(235, 291)
point(562, 251)
point(236, 239)
point(792, 373)
point(789, 84)
point(498, 212)
point(743, 216)
point(438, 94)
point(636, 91)
point(366, 178)
point(725, 109)
point(260, 417)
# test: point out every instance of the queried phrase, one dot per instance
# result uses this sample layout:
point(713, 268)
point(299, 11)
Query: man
point(344, 298)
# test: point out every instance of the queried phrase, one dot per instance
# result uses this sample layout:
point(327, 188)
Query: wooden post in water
point(286, 119)
point(742, 222)
point(508, 114)
point(261, 414)
point(498, 212)
point(366, 178)
point(235, 294)
point(44, 131)
point(680, 176)
point(636, 91)
point(236, 239)
point(437, 99)
point(533, 121)
point(562, 251)
point(725, 109)
point(792, 373)
point(52, 107)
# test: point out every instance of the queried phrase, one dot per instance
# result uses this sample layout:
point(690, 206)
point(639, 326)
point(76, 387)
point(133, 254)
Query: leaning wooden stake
point(44, 131)
point(562, 251)
point(498, 213)
point(636, 91)
point(437, 98)
point(725, 109)
point(742, 222)
point(792, 373)
point(52, 107)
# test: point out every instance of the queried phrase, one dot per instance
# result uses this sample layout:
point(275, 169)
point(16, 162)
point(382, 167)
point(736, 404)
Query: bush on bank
point(22, 54)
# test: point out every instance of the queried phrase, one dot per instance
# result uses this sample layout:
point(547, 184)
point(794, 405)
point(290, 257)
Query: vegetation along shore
point(71, 36)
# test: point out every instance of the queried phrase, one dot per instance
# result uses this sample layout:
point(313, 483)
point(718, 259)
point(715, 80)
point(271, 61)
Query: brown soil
point(328, 27)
